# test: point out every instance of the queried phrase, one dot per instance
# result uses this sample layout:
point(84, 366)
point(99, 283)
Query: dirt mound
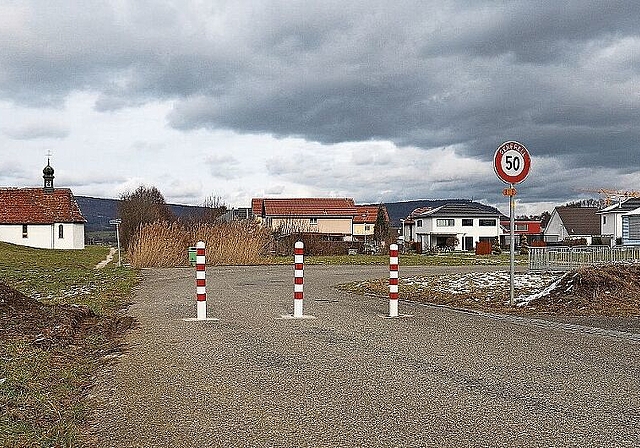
point(24, 318)
point(612, 290)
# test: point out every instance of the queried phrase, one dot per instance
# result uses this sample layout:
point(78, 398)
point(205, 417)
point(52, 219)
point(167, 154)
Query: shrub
point(495, 248)
point(452, 242)
point(524, 245)
point(575, 242)
point(163, 244)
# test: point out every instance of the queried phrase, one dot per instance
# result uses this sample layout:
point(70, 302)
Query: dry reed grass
point(163, 244)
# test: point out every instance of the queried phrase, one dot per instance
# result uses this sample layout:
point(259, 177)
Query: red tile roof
point(34, 206)
point(256, 206)
point(368, 214)
point(419, 211)
point(416, 212)
point(312, 207)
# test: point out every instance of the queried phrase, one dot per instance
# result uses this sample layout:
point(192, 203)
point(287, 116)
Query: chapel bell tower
point(48, 178)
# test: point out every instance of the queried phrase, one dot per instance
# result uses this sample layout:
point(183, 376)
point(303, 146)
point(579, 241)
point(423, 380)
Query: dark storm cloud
point(535, 32)
point(560, 76)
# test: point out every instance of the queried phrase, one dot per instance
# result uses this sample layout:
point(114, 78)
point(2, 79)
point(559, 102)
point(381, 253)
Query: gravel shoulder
point(350, 377)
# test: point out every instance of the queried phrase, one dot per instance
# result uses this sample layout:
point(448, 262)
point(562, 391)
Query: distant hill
point(99, 211)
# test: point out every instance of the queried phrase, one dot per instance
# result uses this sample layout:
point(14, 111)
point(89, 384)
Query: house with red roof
point(331, 217)
point(408, 225)
point(47, 218)
point(364, 223)
point(530, 228)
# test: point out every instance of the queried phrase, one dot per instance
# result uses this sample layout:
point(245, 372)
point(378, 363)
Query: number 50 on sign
point(512, 162)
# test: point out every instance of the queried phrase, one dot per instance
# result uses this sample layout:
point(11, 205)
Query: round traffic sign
point(511, 162)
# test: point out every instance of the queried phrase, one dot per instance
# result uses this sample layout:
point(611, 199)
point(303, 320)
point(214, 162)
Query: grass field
point(43, 387)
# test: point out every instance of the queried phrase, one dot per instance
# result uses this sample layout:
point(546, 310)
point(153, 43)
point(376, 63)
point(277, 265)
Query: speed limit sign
point(512, 162)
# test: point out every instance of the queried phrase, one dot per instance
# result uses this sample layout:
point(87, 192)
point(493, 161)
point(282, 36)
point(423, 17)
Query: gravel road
point(352, 378)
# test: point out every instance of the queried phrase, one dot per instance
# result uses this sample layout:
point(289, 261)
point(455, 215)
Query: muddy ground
point(56, 326)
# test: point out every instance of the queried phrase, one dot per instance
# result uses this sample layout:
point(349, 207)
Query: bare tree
point(214, 208)
point(142, 206)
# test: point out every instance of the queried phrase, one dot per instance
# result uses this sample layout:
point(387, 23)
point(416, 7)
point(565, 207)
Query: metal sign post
point(511, 163)
point(117, 222)
point(511, 192)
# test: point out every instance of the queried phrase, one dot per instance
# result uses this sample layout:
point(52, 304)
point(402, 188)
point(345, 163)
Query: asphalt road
point(352, 378)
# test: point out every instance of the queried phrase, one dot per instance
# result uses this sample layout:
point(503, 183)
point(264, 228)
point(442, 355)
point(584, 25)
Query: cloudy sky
point(375, 100)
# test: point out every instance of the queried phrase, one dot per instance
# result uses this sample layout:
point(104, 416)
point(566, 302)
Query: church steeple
point(48, 177)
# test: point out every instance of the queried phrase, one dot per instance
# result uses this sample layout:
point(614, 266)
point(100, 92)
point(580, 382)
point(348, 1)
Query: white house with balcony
point(458, 225)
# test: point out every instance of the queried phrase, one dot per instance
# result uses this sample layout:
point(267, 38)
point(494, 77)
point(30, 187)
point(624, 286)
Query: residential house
point(331, 217)
point(47, 218)
point(631, 228)
point(237, 214)
point(364, 222)
point(464, 224)
point(408, 225)
point(572, 223)
point(611, 218)
point(531, 228)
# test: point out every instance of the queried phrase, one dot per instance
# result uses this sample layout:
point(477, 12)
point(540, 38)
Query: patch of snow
point(522, 301)
point(473, 281)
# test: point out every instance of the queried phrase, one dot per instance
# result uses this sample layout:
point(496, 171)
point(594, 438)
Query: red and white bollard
point(298, 279)
point(393, 280)
point(201, 290)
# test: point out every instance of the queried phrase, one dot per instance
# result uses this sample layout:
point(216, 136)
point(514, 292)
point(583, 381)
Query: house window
point(522, 227)
point(604, 220)
point(24, 231)
point(367, 228)
point(467, 222)
point(419, 223)
point(313, 221)
point(487, 222)
point(60, 231)
point(445, 222)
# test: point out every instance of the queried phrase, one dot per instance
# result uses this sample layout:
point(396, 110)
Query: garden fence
point(563, 258)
